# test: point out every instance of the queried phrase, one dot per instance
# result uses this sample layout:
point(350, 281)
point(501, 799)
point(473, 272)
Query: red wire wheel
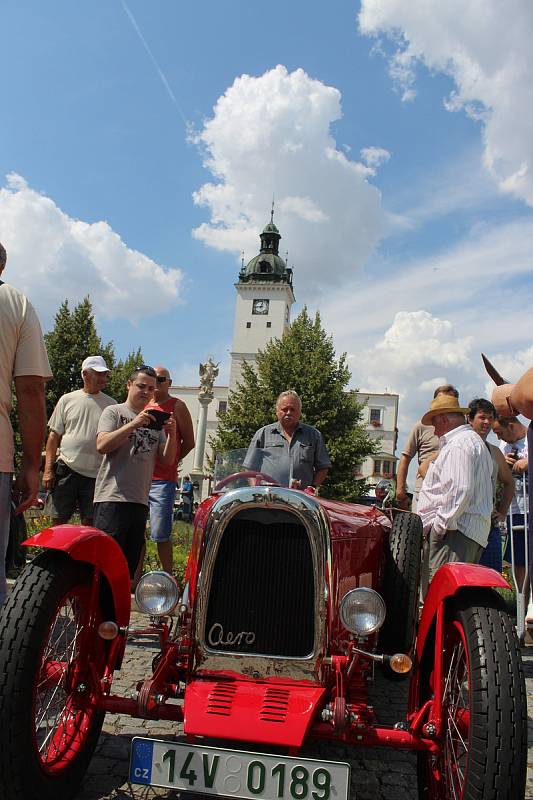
point(63, 716)
point(483, 743)
point(51, 660)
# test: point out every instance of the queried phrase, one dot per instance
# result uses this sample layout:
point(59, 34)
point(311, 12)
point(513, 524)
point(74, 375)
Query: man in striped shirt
point(455, 501)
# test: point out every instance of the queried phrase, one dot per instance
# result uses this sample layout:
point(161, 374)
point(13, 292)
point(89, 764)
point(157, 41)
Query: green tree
point(304, 360)
point(71, 340)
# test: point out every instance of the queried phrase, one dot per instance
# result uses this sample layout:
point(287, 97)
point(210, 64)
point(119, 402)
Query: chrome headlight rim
point(153, 602)
point(347, 618)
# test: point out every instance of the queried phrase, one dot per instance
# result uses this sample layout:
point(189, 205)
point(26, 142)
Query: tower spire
point(272, 211)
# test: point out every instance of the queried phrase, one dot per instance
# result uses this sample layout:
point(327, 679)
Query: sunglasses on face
point(162, 379)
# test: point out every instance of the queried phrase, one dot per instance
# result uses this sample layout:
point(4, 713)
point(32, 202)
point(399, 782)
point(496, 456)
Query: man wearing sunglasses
point(165, 476)
point(130, 439)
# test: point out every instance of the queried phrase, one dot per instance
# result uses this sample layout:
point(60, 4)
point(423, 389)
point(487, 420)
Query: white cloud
point(485, 47)
point(52, 257)
point(414, 325)
point(473, 284)
point(412, 352)
point(374, 157)
point(417, 353)
point(271, 136)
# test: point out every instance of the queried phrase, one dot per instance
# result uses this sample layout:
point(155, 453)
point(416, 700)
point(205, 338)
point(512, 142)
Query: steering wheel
point(260, 477)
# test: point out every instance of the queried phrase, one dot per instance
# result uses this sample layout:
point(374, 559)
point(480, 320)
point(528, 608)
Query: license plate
point(236, 773)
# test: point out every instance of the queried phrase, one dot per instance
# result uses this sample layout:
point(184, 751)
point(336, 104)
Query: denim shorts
point(519, 542)
point(162, 496)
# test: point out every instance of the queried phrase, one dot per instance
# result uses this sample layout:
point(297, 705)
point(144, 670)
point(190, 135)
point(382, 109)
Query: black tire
point(485, 702)
point(400, 584)
point(48, 729)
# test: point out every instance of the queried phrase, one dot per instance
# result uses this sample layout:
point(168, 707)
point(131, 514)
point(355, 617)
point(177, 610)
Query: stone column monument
point(208, 373)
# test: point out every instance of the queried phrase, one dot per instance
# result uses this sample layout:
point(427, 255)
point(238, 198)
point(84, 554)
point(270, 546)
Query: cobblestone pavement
point(376, 774)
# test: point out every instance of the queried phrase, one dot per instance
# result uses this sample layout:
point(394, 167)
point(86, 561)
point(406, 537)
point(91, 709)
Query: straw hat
point(443, 404)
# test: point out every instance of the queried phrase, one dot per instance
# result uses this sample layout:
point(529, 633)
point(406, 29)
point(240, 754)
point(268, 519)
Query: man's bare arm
point(506, 477)
point(52, 444)
point(32, 427)
point(167, 452)
point(401, 478)
point(320, 476)
point(424, 466)
point(185, 429)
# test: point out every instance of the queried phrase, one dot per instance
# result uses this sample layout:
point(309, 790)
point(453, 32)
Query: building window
point(222, 406)
point(269, 324)
point(384, 467)
point(375, 417)
point(248, 324)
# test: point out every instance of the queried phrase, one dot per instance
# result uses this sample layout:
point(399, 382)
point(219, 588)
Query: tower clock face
point(260, 306)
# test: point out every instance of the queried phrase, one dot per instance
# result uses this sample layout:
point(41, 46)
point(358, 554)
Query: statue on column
point(208, 373)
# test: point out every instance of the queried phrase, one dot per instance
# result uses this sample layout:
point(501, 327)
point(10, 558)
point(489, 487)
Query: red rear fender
point(83, 543)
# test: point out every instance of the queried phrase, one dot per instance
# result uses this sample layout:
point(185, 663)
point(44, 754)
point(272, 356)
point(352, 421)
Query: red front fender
point(450, 579)
point(83, 543)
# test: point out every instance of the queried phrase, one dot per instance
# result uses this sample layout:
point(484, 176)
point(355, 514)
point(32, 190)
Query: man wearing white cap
point(455, 501)
point(72, 460)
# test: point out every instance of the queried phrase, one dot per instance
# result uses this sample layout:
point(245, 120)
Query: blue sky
point(141, 144)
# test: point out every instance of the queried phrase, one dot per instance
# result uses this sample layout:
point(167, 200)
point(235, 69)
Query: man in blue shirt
point(291, 452)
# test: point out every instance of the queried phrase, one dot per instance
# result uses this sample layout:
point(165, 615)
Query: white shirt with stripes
point(457, 491)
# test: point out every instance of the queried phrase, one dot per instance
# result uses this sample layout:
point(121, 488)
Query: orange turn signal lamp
point(400, 663)
point(108, 630)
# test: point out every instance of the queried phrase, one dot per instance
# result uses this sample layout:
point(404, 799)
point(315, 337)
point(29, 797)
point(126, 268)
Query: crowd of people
point(112, 463)
point(116, 463)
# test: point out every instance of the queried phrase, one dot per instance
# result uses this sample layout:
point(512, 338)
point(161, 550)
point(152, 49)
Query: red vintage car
point(289, 602)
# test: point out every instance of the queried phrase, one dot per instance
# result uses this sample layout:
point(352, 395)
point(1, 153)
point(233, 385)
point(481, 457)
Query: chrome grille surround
point(307, 512)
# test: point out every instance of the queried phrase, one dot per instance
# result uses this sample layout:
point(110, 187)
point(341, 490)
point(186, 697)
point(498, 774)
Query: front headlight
point(157, 593)
point(362, 611)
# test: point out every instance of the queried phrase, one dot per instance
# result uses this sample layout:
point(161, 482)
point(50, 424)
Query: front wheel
point(50, 660)
point(483, 747)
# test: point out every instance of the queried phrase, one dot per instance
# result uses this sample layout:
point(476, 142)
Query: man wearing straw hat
point(455, 501)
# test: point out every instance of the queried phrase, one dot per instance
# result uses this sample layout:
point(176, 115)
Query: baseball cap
point(95, 362)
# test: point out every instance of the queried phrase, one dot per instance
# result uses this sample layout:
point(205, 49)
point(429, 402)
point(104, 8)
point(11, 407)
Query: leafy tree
point(72, 339)
point(304, 360)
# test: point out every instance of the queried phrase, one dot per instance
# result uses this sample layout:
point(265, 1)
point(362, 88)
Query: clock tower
point(264, 300)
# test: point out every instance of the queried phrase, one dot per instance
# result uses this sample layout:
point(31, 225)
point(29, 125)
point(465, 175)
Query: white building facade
point(381, 418)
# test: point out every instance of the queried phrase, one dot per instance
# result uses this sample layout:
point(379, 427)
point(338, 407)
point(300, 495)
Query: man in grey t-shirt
point(290, 451)
point(129, 440)
point(72, 461)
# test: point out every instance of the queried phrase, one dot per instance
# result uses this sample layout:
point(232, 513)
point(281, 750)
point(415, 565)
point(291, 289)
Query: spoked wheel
point(483, 746)
point(50, 662)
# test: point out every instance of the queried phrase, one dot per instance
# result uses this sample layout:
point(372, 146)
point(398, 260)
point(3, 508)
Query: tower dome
point(267, 265)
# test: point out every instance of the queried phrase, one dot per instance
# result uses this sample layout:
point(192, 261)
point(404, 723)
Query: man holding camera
point(130, 438)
